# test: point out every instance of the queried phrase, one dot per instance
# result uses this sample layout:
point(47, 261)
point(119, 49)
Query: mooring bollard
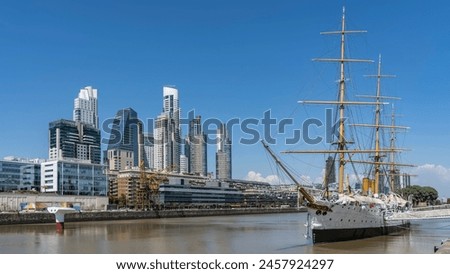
point(59, 216)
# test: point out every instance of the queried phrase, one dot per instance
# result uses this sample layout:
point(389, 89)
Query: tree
point(420, 194)
point(122, 200)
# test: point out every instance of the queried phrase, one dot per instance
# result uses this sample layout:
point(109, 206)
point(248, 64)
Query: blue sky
point(228, 59)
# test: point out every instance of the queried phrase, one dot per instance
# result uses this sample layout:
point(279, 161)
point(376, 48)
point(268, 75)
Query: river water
point(249, 234)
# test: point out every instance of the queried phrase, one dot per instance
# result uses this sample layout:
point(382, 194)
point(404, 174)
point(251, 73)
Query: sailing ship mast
point(341, 103)
point(377, 162)
point(393, 165)
point(392, 156)
point(377, 159)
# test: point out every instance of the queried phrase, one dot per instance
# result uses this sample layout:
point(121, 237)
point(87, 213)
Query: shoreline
point(7, 218)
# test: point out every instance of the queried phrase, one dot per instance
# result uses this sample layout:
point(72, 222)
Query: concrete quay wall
point(43, 217)
point(444, 248)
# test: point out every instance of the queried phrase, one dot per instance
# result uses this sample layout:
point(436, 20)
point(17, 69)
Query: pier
point(432, 212)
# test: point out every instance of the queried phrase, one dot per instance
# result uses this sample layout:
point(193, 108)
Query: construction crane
point(147, 191)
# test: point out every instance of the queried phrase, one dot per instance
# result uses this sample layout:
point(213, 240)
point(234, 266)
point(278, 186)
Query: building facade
point(167, 133)
point(65, 177)
point(124, 140)
point(117, 159)
point(196, 149)
point(74, 140)
point(149, 150)
point(330, 171)
point(178, 190)
point(184, 164)
point(20, 174)
point(86, 107)
point(223, 154)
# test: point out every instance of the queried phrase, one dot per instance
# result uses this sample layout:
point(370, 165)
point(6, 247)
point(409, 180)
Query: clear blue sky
point(228, 59)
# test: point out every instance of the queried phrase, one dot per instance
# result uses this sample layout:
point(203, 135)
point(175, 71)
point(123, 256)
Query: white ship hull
point(350, 222)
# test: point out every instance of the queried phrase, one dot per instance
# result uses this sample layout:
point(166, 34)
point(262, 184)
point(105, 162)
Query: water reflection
point(251, 234)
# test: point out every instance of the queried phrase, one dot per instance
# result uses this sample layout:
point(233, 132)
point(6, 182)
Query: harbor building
point(73, 177)
point(86, 107)
point(167, 133)
point(30, 202)
point(176, 190)
point(223, 154)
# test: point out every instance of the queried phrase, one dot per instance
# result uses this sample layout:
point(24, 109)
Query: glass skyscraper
point(124, 135)
point(223, 154)
point(196, 149)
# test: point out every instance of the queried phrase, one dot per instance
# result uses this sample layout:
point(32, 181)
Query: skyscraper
point(124, 140)
point(86, 107)
point(330, 171)
point(223, 154)
point(167, 133)
point(196, 147)
point(149, 150)
point(75, 166)
point(74, 140)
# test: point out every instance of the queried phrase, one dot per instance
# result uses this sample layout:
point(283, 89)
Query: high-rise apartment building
point(167, 146)
point(184, 164)
point(86, 107)
point(74, 140)
point(223, 154)
point(123, 146)
point(196, 149)
point(74, 166)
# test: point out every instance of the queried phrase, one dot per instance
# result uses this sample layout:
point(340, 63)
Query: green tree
point(420, 194)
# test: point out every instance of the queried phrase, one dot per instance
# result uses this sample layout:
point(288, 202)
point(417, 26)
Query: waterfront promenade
point(431, 212)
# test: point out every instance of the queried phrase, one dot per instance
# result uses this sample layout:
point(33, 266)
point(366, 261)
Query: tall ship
point(343, 213)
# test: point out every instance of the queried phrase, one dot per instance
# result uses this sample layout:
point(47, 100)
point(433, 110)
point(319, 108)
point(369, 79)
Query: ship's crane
point(301, 189)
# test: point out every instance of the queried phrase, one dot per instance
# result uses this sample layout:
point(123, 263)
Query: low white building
point(73, 178)
point(39, 202)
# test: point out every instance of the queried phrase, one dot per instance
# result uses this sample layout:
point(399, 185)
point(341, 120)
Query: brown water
point(250, 234)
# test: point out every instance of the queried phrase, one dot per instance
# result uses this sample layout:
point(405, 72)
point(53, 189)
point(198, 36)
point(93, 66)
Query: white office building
point(65, 177)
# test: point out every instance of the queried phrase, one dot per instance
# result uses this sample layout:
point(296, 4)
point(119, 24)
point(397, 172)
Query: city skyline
point(228, 60)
